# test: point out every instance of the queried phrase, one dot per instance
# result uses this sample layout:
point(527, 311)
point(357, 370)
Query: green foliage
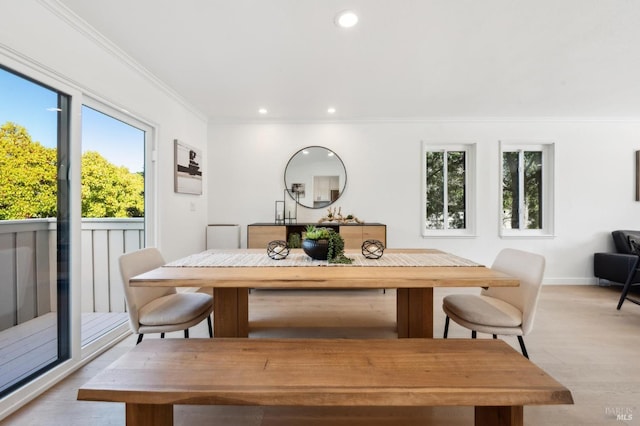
point(455, 170)
point(108, 190)
point(313, 233)
point(532, 189)
point(294, 240)
point(335, 253)
point(28, 181)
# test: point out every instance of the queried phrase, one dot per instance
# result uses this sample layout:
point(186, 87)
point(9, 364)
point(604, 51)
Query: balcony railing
point(28, 265)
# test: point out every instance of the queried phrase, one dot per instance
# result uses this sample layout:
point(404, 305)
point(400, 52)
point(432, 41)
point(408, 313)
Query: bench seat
point(487, 374)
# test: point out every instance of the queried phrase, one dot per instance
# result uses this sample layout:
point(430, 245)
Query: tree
point(455, 189)
point(108, 190)
point(28, 181)
point(532, 197)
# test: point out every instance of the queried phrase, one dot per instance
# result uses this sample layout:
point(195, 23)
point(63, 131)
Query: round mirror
point(315, 177)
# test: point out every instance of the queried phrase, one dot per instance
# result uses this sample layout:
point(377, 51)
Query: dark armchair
point(622, 267)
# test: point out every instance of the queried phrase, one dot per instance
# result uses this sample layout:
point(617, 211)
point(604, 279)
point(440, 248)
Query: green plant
point(313, 233)
point(294, 240)
point(335, 243)
point(336, 250)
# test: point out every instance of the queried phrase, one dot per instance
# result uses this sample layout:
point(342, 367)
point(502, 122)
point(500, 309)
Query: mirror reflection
point(315, 176)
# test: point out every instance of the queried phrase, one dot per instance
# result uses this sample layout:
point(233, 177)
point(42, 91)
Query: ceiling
point(406, 59)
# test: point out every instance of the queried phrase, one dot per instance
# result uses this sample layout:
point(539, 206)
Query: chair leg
point(162, 335)
point(473, 334)
point(140, 336)
point(186, 333)
point(446, 327)
point(524, 350)
point(210, 326)
point(628, 282)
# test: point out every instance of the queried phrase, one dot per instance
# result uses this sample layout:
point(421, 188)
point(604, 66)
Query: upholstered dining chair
point(160, 309)
point(501, 310)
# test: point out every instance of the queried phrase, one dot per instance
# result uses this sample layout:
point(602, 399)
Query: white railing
point(28, 265)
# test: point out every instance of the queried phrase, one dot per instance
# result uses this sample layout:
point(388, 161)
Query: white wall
point(595, 173)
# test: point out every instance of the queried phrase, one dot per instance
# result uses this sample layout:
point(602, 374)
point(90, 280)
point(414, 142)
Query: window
point(527, 189)
point(449, 186)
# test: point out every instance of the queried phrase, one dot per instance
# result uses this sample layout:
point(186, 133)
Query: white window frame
point(150, 170)
point(548, 189)
point(470, 189)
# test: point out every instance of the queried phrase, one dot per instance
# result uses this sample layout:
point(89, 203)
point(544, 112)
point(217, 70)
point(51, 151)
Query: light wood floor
point(579, 338)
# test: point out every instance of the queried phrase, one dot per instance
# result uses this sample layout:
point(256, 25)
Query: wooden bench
point(487, 374)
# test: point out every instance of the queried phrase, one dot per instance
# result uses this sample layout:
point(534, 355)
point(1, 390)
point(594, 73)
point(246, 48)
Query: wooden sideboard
point(260, 234)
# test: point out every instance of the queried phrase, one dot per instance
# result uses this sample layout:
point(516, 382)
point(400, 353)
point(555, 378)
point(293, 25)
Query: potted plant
point(324, 244)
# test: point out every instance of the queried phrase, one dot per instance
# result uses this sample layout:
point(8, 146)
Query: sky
point(29, 105)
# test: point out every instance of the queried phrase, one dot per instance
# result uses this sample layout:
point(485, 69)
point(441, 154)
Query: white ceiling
point(406, 59)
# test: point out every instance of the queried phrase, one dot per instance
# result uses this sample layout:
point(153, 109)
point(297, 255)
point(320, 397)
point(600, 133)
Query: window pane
point(435, 190)
point(510, 191)
point(456, 189)
point(113, 214)
point(533, 188)
point(34, 230)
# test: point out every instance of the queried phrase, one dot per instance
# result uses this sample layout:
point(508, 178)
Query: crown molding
point(427, 120)
point(89, 32)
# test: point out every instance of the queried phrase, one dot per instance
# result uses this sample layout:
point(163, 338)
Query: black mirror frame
point(288, 190)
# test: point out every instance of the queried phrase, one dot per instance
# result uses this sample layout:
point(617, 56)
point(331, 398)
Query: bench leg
point(499, 416)
point(149, 415)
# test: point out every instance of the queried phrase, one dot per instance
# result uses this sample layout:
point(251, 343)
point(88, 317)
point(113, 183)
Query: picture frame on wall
point(188, 168)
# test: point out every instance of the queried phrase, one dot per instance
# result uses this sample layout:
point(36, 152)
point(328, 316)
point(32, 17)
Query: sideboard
point(353, 234)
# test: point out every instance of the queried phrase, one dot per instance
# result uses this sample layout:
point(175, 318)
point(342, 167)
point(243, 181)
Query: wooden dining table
point(410, 272)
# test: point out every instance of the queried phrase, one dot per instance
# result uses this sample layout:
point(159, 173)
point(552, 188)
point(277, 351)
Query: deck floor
point(30, 346)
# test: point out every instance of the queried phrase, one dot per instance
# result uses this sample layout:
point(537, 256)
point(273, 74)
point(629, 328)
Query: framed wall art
point(188, 169)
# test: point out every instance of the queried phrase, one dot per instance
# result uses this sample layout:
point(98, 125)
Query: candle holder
point(291, 213)
point(279, 213)
point(372, 249)
point(277, 250)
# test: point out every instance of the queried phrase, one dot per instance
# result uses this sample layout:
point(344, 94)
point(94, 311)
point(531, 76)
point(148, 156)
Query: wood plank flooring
point(579, 338)
point(30, 346)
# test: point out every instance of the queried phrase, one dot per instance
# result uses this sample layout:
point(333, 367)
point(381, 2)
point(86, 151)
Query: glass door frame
point(150, 170)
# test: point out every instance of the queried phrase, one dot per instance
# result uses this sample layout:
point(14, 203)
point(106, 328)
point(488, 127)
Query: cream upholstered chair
point(501, 310)
point(160, 309)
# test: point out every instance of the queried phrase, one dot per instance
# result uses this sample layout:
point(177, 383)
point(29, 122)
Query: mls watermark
point(619, 413)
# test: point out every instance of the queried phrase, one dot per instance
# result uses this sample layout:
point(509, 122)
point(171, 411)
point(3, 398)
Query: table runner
point(237, 258)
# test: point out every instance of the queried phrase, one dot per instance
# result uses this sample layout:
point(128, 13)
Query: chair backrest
point(529, 269)
point(135, 263)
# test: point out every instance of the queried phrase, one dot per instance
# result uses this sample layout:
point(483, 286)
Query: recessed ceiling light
point(346, 19)
point(263, 111)
point(331, 110)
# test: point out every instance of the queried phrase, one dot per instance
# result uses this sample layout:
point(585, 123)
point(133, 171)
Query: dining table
point(414, 273)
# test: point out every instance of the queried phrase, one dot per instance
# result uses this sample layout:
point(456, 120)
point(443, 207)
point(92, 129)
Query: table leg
point(149, 415)
point(499, 416)
point(414, 310)
point(230, 312)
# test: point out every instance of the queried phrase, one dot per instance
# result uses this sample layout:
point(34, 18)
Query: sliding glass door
point(113, 212)
point(34, 229)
